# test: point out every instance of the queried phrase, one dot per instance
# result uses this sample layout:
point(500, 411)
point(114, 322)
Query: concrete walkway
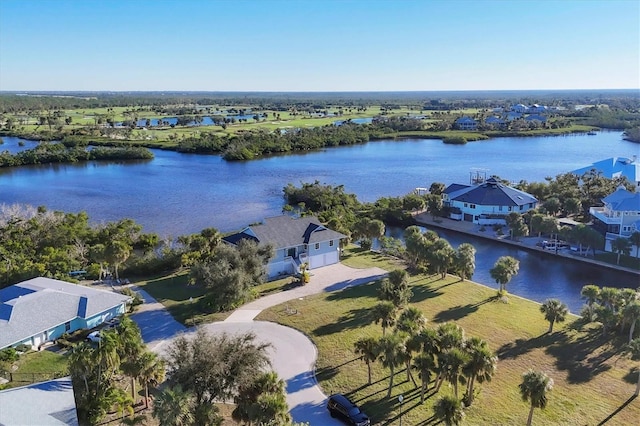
point(293, 356)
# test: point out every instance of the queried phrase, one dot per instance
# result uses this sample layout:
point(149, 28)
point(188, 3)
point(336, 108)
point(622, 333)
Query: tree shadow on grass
point(421, 293)
point(364, 290)
point(523, 346)
point(457, 312)
point(620, 408)
point(327, 373)
point(632, 376)
point(355, 318)
point(583, 358)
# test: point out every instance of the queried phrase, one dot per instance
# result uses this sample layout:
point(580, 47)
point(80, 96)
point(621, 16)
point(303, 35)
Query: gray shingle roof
point(492, 193)
point(39, 304)
point(47, 403)
point(286, 231)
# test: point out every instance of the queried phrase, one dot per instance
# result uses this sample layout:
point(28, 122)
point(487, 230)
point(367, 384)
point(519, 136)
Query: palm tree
point(118, 252)
point(173, 407)
point(385, 314)
point(411, 321)
point(425, 365)
point(503, 270)
point(395, 288)
point(106, 356)
point(122, 401)
point(554, 310)
point(632, 350)
point(367, 348)
point(631, 315)
point(80, 362)
point(481, 366)
point(451, 363)
point(449, 410)
point(590, 293)
point(534, 388)
point(272, 409)
point(262, 401)
point(391, 350)
point(151, 372)
point(621, 246)
point(609, 297)
point(465, 261)
point(450, 335)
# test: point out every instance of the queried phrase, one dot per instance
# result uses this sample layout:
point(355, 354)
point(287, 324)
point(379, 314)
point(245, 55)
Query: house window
point(330, 243)
point(509, 208)
point(317, 246)
point(67, 326)
point(521, 207)
point(499, 208)
point(473, 206)
point(466, 205)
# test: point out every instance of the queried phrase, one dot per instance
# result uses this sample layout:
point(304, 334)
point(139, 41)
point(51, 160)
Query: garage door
point(323, 260)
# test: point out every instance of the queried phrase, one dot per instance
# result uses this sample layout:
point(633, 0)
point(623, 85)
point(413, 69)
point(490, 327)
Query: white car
point(94, 337)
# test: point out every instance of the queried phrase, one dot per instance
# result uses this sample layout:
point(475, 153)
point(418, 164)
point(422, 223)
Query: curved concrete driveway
point(293, 355)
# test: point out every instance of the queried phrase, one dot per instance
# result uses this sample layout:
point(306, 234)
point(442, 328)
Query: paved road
point(293, 355)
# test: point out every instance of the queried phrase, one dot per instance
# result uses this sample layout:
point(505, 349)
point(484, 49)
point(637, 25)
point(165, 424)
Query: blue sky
point(321, 45)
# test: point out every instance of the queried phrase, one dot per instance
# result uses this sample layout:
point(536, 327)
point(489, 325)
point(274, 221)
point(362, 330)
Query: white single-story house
point(295, 241)
point(615, 167)
point(40, 310)
point(619, 217)
point(466, 123)
point(487, 203)
point(49, 403)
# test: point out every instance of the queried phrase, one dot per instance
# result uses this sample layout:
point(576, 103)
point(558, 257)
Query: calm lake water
point(175, 193)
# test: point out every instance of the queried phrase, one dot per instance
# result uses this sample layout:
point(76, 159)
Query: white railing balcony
point(601, 214)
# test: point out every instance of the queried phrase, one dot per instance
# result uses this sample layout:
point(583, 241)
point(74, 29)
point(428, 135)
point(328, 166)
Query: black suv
point(340, 406)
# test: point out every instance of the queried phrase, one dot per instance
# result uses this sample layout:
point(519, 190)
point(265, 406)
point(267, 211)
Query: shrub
point(23, 348)
point(455, 140)
point(9, 355)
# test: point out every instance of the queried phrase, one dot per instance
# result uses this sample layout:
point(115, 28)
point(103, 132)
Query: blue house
point(495, 121)
point(487, 203)
point(466, 123)
point(295, 241)
point(40, 310)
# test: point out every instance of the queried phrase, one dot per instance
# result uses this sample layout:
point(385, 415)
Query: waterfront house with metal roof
point(487, 203)
point(619, 217)
point(615, 167)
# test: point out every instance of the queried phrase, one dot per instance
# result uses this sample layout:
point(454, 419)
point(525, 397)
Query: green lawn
point(591, 381)
point(182, 300)
point(37, 367)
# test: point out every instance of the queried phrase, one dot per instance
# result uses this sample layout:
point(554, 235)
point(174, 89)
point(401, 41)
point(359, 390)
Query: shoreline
point(526, 243)
point(470, 136)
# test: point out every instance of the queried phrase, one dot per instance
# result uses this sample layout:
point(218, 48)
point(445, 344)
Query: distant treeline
point(249, 145)
point(58, 153)
point(11, 102)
